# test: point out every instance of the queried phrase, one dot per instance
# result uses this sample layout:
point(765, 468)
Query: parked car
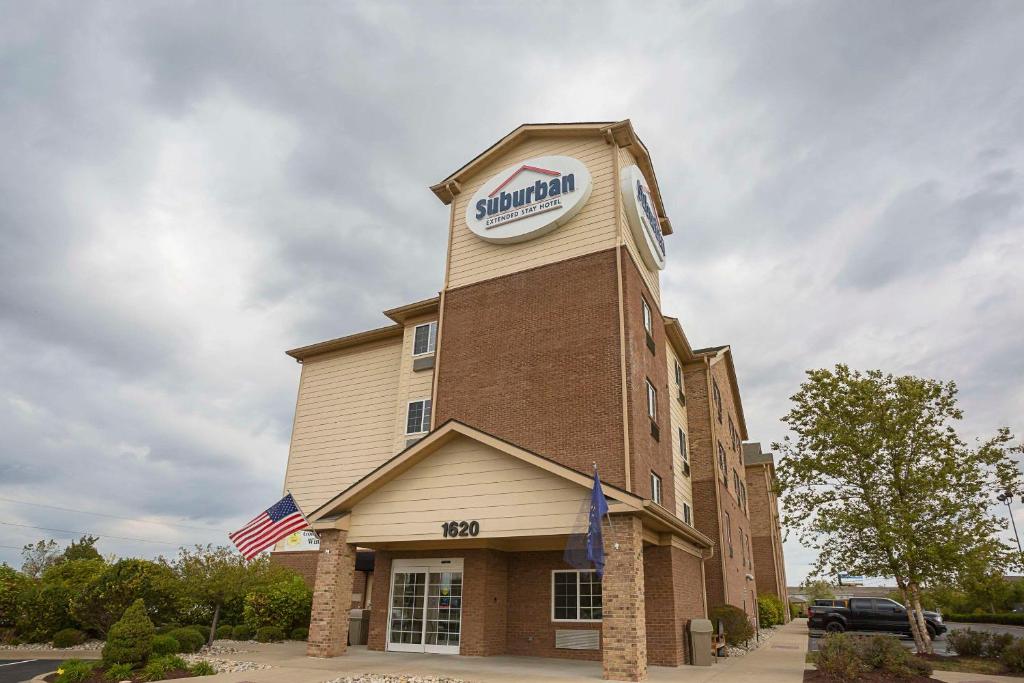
point(821, 602)
point(868, 614)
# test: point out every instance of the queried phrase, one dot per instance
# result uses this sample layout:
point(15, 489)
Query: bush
point(167, 628)
point(204, 631)
point(300, 633)
point(119, 585)
point(130, 640)
point(42, 611)
point(967, 642)
point(997, 643)
point(12, 583)
point(165, 645)
point(769, 610)
point(839, 658)
point(1008, 618)
point(242, 632)
point(118, 672)
point(188, 639)
point(159, 667)
point(74, 670)
point(738, 628)
point(68, 637)
point(284, 604)
point(883, 653)
point(1013, 656)
point(202, 669)
point(224, 632)
point(269, 634)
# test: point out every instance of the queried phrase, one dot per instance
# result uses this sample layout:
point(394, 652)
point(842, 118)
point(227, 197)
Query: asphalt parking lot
point(19, 670)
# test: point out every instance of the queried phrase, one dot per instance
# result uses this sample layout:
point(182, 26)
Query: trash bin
point(358, 626)
point(701, 636)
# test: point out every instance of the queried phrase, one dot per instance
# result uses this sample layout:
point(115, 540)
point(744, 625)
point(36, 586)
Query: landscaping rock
point(225, 666)
point(394, 678)
point(763, 636)
point(89, 645)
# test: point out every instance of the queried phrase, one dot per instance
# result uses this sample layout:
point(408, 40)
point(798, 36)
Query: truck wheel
point(931, 632)
point(834, 627)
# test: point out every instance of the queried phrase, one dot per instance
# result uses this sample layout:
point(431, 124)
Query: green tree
point(83, 549)
point(39, 556)
point(213, 577)
point(12, 585)
point(878, 481)
point(130, 639)
point(818, 589)
point(105, 599)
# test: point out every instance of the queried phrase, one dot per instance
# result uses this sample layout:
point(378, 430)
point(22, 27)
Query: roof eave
point(331, 345)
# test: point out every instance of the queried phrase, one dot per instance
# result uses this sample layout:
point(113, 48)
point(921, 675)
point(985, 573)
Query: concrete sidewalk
point(780, 660)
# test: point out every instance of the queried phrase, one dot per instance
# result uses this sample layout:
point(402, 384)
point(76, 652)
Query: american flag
point(270, 526)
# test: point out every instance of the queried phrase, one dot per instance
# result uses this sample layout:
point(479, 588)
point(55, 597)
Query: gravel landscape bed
point(763, 636)
point(87, 646)
point(394, 678)
point(225, 666)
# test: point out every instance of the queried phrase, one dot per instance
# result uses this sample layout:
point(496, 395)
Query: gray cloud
point(191, 189)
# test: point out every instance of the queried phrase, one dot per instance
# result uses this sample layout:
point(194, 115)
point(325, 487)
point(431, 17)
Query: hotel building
point(458, 442)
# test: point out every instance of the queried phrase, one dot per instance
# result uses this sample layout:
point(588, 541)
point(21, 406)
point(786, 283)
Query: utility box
point(701, 638)
point(358, 626)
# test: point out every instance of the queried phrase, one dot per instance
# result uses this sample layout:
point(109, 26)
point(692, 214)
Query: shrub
point(165, 645)
point(300, 633)
point(224, 632)
point(159, 667)
point(997, 643)
point(118, 672)
point(738, 628)
point(68, 637)
point(769, 610)
point(967, 642)
point(130, 640)
point(202, 669)
point(269, 634)
point(839, 658)
point(119, 585)
point(1013, 656)
point(188, 639)
point(242, 632)
point(204, 631)
point(12, 583)
point(167, 628)
point(886, 654)
point(1008, 618)
point(74, 670)
point(284, 604)
point(42, 611)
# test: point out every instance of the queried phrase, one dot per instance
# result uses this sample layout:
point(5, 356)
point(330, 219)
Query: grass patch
point(969, 665)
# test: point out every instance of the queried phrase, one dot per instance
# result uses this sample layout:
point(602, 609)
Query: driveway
point(19, 670)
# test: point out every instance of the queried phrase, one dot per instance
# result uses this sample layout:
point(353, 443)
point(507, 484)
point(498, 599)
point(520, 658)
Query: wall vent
point(577, 639)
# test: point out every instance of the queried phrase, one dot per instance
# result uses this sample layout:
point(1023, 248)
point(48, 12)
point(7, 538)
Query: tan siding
point(344, 420)
point(593, 229)
point(466, 480)
point(412, 386)
point(651, 277)
point(683, 484)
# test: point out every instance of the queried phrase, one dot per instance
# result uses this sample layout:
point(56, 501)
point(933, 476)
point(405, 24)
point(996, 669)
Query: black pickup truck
point(869, 614)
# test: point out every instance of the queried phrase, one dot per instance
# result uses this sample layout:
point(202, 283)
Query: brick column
point(332, 595)
point(623, 628)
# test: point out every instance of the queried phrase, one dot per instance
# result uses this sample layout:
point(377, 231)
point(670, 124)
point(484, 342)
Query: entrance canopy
point(461, 484)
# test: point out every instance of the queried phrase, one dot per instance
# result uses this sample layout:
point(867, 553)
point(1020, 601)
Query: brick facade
point(767, 532)
point(332, 595)
point(647, 453)
point(671, 575)
point(550, 334)
point(303, 563)
point(714, 501)
point(624, 627)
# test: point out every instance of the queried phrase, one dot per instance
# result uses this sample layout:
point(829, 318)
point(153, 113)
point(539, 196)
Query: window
point(652, 402)
point(418, 420)
point(687, 514)
point(743, 547)
point(728, 532)
point(722, 466)
point(717, 396)
point(655, 488)
point(679, 375)
point(743, 495)
point(648, 318)
point(682, 452)
point(424, 338)
point(575, 596)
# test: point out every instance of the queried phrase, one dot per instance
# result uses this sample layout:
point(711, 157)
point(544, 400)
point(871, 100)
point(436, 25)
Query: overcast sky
point(189, 189)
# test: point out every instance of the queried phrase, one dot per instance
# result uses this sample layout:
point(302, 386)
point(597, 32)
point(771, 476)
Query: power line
point(104, 514)
point(89, 533)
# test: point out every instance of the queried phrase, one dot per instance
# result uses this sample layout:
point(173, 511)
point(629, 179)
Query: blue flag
point(586, 550)
point(595, 542)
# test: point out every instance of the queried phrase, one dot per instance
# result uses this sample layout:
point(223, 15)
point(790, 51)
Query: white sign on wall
point(529, 199)
point(300, 540)
point(643, 217)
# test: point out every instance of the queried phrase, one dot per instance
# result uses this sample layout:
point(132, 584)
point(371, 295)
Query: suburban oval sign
point(529, 199)
point(643, 217)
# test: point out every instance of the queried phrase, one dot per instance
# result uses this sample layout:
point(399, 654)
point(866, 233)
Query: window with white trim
point(575, 595)
point(722, 465)
point(655, 488)
point(424, 338)
point(648, 318)
point(652, 402)
point(418, 418)
point(687, 514)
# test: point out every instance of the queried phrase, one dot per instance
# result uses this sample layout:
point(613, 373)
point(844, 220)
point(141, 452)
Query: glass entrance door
point(425, 606)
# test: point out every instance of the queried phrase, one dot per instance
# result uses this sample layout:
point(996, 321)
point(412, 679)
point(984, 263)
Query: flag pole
point(304, 519)
point(607, 513)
